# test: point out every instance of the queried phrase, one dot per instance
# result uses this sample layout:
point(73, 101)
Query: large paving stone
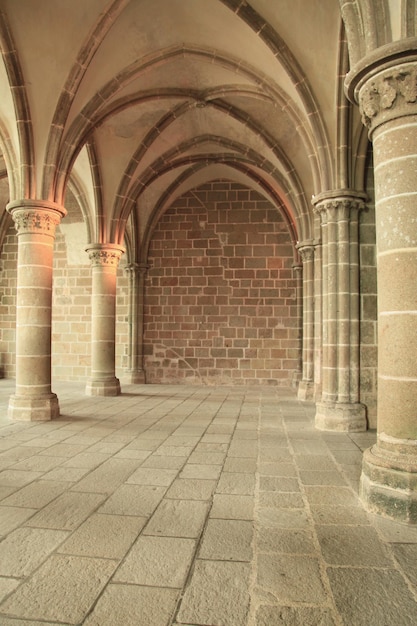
point(67, 511)
point(226, 506)
point(233, 483)
point(341, 515)
point(24, 549)
point(178, 518)
point(152, 476)
point(291, 578)
point(204, 472)
point(372, 597)
point(106, 536)
point(350, 545)
point(139, 500)
point(283, 518)
point(13, 516)
point(218, 593)
point(157, 562)
point(293, 616)
point(108, 476)
point(131, 605)
point(63, 589)
point(37, 494)
point(225, 540)
point(406, 555)
point(288, 541)
point(191, 489)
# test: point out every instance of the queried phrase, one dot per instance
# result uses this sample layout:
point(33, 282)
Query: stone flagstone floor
point(198, 506)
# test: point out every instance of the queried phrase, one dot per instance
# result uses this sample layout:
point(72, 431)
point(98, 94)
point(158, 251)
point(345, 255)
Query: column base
point(341, 417)
point(33, 408)
point(306, 390)
point(388, 487)
point(109, 387)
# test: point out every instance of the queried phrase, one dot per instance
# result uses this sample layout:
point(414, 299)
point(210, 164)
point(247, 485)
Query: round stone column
point(104, 262)
point(339, 408)
point(306, 386)
point(385, 86)
point(136, 273)
point(35, 222)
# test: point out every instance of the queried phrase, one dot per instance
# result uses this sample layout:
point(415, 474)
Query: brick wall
point(220, 303)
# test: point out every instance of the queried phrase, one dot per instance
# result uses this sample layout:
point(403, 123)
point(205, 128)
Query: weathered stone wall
point(220, 304)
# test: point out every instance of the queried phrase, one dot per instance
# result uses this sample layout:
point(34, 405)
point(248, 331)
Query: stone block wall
point(220, 303)
point(71, 312)
point(8, 281)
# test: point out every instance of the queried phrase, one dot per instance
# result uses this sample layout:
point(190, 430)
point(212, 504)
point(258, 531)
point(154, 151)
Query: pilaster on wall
point(136, 273)
point(35, 223)
point(104, 262)
point(306, 386)
point(339, 408)
point(384, 86)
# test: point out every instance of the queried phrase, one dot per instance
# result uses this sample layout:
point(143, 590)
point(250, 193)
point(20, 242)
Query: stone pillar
point(306, 386)
point(104, 261)
point(136, 275)
point(298, 274)
point(386, 90)
point(35, 222)
point(318, 322)
point(339, 408)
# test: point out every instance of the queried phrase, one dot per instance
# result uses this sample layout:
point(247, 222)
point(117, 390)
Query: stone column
point(339, 408)
point(318, 313)
point(104, 261)
point(35, 222)
point(298, 274)
point(306, 386)
point(136, 273)
point(386, 90)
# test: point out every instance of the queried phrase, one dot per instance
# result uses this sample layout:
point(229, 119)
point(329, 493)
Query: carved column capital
point(338, 204)
point(384, 83)
point(35, 217)
point(390, 94)
point(306, 251)
point(105, 254)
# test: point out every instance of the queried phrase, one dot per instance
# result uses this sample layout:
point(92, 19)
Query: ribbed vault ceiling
point(131, 103)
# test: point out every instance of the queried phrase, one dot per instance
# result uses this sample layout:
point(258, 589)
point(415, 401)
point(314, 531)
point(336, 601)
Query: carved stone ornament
point(339, 207)
point(36, 221)
point(390, 94)
point(306, 253)
point(103, 257)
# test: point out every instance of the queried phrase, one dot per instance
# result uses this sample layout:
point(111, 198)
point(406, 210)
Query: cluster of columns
point(385, 87)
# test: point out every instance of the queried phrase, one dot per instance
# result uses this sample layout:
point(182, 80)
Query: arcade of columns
point(385, 88)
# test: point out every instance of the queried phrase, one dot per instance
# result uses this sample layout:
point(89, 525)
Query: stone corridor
point(174, 505)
